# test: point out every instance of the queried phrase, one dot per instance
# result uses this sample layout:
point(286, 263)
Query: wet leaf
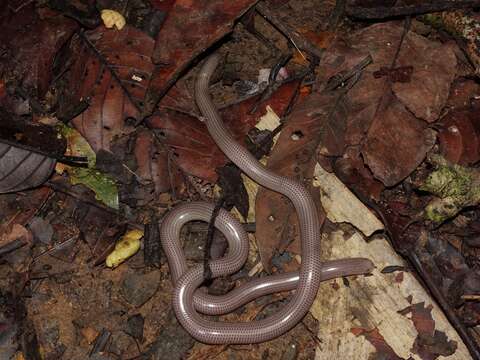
point(190, 28)
point(459, 142)
point(29, 45)
point(27, 153)
point(384, 350)
point(112, 71)
point(192, 146)
point(396, 142)
point(22, 169)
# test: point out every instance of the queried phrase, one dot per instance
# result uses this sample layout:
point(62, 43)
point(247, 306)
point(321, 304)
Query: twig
point(337, 14)
point(12, 246)
point(291, 34)
point(207, 272)
point(383, 12)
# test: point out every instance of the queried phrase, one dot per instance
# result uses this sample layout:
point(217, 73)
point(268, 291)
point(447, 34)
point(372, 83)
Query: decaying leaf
point(111, 70)
point(126, 247)
point(27, 153)
point(383, 349)
point(294, 156)
point(459, 141)
point(30, 41)
point(430, 343)
point(352, 171)
point(397, 141)
point(154, 162)
point(195, 151)
point(177, 45)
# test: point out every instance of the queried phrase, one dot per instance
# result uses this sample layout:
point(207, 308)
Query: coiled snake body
point(188, 303)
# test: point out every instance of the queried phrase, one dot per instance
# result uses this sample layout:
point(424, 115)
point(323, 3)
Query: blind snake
point(189, 302)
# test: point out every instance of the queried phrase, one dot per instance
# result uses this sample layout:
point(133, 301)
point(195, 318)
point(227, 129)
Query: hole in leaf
point(296, 135)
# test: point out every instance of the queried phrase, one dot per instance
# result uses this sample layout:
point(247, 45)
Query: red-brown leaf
point(374, 337)
point(29, 44)
point(194, 149)
point(351, 170)
point(396, 140)
point(152, 161)
point(294, 156)
point(113, 69)
point(396, 143)
point(190, 28)
point(458, 138)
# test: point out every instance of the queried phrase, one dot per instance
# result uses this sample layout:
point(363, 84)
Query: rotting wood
point(367, 302)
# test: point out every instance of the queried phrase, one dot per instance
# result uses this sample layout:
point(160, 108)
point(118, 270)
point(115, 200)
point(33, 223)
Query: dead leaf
point(351, 170)
point(462, 93)
point(384, 351)
point(17, 232)
point(294, 156)
point(430, 343)
point(434, 67)
point(22, 169)
point(29, 45)
point(192, 146)
point(396, 142)
point(153, 163)
point(112, 71)
point(190, 28)
point(459, 142)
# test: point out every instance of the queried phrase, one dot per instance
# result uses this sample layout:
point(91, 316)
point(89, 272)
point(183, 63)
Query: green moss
point(454, 186)
point(434, 19)
point(439, 210)
point(449, 181)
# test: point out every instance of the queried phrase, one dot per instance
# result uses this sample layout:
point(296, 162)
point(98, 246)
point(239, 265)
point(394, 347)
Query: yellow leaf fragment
point(127, 246)
point(113, 18)
point(19, 356)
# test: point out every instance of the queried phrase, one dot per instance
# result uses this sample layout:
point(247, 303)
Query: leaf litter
point(389, 108)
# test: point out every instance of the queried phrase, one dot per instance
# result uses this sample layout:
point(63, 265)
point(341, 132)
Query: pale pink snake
point(188, 302)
